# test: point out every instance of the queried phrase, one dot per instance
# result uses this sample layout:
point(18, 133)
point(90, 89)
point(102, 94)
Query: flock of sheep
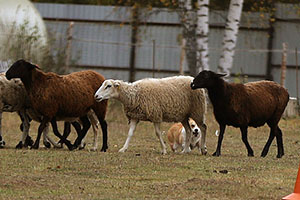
point(80, 99)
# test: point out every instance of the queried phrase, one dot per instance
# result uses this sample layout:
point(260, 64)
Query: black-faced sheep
point(59, 97)
point(242, 105)
point(158, 100)
point(13, 98)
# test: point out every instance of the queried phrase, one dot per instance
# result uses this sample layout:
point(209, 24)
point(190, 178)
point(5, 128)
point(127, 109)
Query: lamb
point(242, 105)
point(158, 100)
point(67, 96)
point(13, 98)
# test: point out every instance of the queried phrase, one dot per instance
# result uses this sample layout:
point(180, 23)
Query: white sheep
point(13, 98)
point(158, 100)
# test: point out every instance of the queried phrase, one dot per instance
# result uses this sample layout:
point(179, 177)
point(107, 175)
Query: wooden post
point(153, 59)
point(297, 83)
point(69, 46)
point(270, 40)
point(182, 53)
point(134, 33)
point(283, 65)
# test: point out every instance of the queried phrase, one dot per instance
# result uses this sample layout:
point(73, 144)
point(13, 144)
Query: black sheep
point(242, 105)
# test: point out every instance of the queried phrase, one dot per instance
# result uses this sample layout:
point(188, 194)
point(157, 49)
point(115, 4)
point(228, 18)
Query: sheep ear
point(32, 66)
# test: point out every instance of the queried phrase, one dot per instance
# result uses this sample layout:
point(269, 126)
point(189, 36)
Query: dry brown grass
point(142, 172)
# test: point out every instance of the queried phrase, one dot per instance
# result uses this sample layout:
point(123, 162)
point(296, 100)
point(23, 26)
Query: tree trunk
point(230, 36)
point(189, 29)
point(202, 35)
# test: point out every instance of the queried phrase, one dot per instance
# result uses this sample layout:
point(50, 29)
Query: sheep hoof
point(94, 149)
point(203, 151)
point(186, 150)
point(263, 154)
point(103, 149)
point(164, 152)
point(59, 145)
point(217, 154)
point(19, 145)
point(2, 144)
point(28, 141)
point(35, 146)
point(250, 155)
point(47, 145)
point(122, 150)
point(279, 155)
point(72, 147)
point(82, 146)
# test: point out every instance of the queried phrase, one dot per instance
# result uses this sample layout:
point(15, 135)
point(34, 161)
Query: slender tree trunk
point(189, 29)
point(230, 36)
point(202, 35)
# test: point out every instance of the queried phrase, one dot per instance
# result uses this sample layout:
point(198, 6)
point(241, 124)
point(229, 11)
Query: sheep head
point(205, 79)
point(20, 69)
point(109, 89)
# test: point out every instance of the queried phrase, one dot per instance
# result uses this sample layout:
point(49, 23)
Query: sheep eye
point(108, 86)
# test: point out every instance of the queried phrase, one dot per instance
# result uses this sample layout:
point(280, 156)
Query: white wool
point(168, 99)
point(158, 100)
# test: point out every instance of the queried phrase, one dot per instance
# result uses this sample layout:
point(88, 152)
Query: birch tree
point(188, 21)
point(230, 36)
point(202, 35)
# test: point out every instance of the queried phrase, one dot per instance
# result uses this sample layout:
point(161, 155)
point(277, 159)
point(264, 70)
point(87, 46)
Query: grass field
point(142, 172)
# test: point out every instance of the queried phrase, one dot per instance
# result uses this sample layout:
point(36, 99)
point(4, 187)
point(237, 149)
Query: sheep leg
point(244, 132)
point(158, 134)
point(25, 139)
point(2, 142)
point(187, 139)
point(280, 150)
point(267, 146)
point(48, 139)
point(132, 126)
point(218, 150)
point(203, 148)
point(95, 141)
point(104, 134)
point(40, 130)
point(86, 125)
point(56, 132)
point(94, 121)
point(78, 130)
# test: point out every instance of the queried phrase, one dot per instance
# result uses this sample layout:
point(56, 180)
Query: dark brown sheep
point(60, 97)
point(242, 105)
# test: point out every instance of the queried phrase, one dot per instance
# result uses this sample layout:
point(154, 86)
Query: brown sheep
point(60, 97)
point(242, 105)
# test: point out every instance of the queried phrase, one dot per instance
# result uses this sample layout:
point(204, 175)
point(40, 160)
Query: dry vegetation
point(142, 173)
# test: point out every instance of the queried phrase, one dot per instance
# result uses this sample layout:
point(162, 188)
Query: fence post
point(270, 41)
point(182, 53)
point(153, 59)
point(283, 65)
point(69, 46)
point(297, 83)
point(134, 33)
